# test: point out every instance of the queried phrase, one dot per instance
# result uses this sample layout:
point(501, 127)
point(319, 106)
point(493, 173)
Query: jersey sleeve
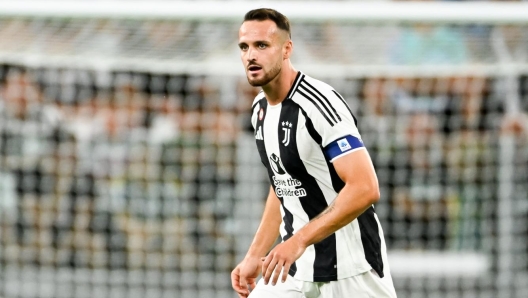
point(334, 122)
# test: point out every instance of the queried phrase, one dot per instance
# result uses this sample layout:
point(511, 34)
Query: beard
point(268, 77)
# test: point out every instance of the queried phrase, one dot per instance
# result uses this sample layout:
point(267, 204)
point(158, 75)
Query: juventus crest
point(286, 127)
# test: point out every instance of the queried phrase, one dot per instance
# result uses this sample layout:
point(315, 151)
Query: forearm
point(268, 230)
point(350, 203)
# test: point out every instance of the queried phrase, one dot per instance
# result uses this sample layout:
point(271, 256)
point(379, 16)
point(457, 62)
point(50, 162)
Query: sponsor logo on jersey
point(285, 185)
point(258, 134)
point(344, 145)
point(276, 164)
point(290, 187)
point(286, 127)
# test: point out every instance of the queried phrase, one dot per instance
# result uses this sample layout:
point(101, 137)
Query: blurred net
point(128, 169)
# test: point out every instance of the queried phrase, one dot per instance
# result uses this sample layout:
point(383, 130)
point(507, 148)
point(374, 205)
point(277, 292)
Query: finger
point(238, 283)
point(252, 283)
point(265, 264)
point(277, 272)
point(243, 286)
point(242, 293)
point(267, 269)
point(235, 281)
point(285, 272)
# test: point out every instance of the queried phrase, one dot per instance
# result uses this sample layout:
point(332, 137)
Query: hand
point(245, 274)
point(281, 258)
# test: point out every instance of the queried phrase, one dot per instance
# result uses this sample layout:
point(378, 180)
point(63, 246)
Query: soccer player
point(323, 184)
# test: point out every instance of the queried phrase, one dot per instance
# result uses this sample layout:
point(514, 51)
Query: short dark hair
point(262, 14)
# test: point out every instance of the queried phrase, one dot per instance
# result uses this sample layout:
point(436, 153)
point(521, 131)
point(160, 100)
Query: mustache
point(253, 64)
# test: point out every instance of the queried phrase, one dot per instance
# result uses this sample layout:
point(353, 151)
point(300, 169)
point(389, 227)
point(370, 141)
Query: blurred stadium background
point(127, 162)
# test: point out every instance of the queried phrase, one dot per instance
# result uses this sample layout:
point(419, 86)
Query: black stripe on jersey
point(371, 240)
point(328, 104)
point(314, 203)
point(337, 183)
point(260, 125)
point(346, 105)
point(288, 216)
point(311, 129)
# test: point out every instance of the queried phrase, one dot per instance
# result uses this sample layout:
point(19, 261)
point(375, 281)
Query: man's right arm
point(246, 273)
point(268, 230)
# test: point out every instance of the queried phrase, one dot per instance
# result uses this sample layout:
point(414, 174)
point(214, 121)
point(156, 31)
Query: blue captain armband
point(342, 146)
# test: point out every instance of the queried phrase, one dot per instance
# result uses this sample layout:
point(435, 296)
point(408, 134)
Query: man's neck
point(277, 90)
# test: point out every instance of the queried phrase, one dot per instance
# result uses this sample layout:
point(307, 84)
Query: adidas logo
point(258, 135)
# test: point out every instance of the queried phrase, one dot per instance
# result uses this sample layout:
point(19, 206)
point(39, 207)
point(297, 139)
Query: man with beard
point(323, 184)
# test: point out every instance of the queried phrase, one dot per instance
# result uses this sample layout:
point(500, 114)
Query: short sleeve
point(333, 121)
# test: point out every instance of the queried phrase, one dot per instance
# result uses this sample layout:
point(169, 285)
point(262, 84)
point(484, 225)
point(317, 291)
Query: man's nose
point(252, 55)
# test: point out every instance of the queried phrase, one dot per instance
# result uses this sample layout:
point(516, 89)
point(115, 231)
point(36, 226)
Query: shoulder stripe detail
point(346, 105)
point(319, 101)
point(317, 106)
point(295, 84)
point(322, 97)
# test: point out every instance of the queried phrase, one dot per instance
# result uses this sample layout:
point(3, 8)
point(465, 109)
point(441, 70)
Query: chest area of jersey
point(283, 138)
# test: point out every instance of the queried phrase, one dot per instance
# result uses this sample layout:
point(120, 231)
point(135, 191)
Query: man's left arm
point(361, 190)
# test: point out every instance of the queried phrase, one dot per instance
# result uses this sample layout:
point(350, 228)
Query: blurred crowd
point(121, 175)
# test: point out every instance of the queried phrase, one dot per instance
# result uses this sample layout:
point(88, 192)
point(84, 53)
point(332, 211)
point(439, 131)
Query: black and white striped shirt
point(298, 140)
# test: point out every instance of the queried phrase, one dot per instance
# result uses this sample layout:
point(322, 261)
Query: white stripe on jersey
point(350, 251)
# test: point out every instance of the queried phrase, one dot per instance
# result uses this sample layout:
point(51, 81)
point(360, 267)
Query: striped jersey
point(297, 141)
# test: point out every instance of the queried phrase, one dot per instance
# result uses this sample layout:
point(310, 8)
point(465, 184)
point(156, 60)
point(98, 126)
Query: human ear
point(288, 48)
